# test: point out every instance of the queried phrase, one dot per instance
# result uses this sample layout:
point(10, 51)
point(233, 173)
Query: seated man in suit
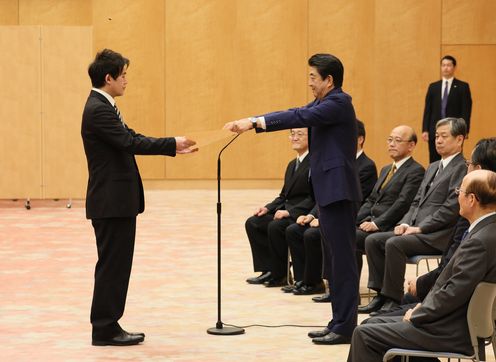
point(439, 323)
point(268, 224)
point(428, 226)
point(394, 190)
point(304, 237)
point(483, 157)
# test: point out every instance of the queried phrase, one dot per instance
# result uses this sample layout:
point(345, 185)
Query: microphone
point(220, 329)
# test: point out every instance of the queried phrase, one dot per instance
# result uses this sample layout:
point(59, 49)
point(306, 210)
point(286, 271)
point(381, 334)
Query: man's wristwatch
point(253, 122)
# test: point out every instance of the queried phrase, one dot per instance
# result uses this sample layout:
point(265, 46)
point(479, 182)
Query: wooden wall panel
point(407, 53)
point(20, 95)
point(475, 65)
point(65, 89)
point(469, 22)
point(230, 59)
point(55, 12)
point(9, 12)
point(346, 29)
point(136, 29)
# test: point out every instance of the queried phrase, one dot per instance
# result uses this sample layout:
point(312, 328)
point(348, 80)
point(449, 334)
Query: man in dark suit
point(266, 228)
point(115, 192)
point(428, 225)
point(449, 97)
point(483, 157)
point(332, 123)
point(367, 171)
point(439, 323)
point(394, 190)
point(304, 239)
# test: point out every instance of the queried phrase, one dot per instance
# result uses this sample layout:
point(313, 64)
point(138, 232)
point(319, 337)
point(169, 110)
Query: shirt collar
point(401, 162)
point(471, 227)
point(447, 160)
point(302, 157)
point(106, 95)
point(359, 153)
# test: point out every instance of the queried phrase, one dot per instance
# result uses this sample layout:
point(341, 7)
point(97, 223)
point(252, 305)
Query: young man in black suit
point(448, 97)
point(115, 192)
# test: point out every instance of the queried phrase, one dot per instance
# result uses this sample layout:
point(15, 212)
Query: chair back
point(481, 313)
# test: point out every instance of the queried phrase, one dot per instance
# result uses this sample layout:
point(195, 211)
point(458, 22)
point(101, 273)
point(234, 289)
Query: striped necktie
point(119, 115)
point(389, 176)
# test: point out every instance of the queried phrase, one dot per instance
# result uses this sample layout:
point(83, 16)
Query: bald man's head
point(401, 142)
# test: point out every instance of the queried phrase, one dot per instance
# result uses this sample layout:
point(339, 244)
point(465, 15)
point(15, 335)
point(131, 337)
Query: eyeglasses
point(459, 189)
point(297, 134)
point(468, 163)
point(396, 140)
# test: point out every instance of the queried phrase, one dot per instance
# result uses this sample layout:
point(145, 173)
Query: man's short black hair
point(449, 57)
point(106, 62)
point(484, 154)
point(360, 129)
point(327, 64)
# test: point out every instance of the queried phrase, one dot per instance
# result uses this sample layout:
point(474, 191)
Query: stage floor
point(46, 275)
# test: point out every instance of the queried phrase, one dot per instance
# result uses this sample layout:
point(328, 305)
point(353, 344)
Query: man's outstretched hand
point(239, 126)
point(183, 145)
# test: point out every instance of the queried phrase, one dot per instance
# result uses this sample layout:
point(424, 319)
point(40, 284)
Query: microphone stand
point(219, 328)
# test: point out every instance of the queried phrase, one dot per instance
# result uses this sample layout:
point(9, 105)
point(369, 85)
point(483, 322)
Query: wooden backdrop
point(196, 64)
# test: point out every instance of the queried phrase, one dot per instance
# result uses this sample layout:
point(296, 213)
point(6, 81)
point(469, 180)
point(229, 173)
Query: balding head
point(401, 142)
point(477, 195)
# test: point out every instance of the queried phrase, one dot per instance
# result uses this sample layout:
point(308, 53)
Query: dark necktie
point(444, 100)
point(465, 234)
point(119, 115)
point(297, 164)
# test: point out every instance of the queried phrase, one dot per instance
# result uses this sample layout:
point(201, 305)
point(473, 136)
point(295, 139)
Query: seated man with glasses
point(440, 323)
point(266, 228)
point(426, 228)
point(483, 157)
point(394, 190)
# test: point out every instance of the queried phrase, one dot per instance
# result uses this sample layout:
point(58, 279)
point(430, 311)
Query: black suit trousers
point(268, 245)
point(115, 245)
point(306, 253)
point(338, 228)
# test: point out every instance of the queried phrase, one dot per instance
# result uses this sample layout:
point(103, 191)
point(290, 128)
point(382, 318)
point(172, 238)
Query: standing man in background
point(333, 143)
point(448, 97)
point(115, 193)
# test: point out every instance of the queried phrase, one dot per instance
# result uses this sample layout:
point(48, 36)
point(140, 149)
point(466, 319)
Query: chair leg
point(289, 276)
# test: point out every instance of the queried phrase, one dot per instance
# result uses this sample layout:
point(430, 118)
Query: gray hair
point(458, 127)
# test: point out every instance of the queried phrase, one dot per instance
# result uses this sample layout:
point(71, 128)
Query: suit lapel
point(445, 174)
point(294, 175)
point(397, 174)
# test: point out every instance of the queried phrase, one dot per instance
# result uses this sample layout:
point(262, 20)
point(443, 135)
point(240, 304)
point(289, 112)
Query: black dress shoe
point(332, 338)
point(326, 298)
point(136, 334)
point(260, 279)
point(276, 282)
point(291, 288)
point(122, 339)
point(309, 289)
point(389, 306)
point(321, 333)
point(375, 304)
